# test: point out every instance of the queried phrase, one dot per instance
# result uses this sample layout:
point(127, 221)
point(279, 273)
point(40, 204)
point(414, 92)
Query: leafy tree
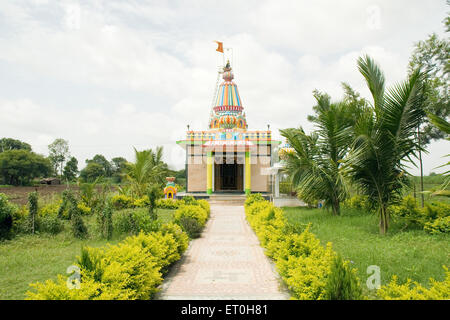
point(19, 167)
point(71, 169)
point(119, 166)
point(7, 144)
point(433, 57)
point(147, 169)
point(92, 172)
point(58, 154)
point(385, 139)
point(101, 160)
point(315, 164)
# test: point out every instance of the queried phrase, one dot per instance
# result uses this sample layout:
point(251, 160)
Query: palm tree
point(148, 169)
point(315, 164)
point(385, 139)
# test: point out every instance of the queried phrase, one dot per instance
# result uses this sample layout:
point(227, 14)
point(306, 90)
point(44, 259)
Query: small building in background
point(51, 181)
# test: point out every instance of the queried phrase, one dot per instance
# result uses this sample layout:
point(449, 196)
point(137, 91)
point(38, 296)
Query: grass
point(31, 258)
point(410, 254)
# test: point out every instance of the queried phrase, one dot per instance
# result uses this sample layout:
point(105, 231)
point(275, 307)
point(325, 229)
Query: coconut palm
point(315, 164)
point(147, 169)
point(385, 139)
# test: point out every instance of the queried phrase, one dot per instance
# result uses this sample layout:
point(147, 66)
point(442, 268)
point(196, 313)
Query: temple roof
point(227, 109)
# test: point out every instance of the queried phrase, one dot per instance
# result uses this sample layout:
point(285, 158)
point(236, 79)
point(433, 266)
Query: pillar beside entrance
point(209, 172)
point(248, 173)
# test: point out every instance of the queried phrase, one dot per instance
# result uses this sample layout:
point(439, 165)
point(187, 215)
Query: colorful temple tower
point(227, 157)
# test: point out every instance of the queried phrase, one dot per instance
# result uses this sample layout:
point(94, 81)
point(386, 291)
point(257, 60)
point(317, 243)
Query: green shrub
point(129, 270)
point(254, 197)
point(79, 229)
point(439, 225)
point(168, 203)
point(104, 221)
point(121, 201)
point(68, 201)
point(50, 224)
point(141, 202)
point(6, 217)
point(411, 290)
point(342, 282)
point(189, 200)
point(359, 202)
point(191, 218)
point(205, 205)
point(132, 221)
point(181, 237)
point(303, 263)
point(32, 210)
point(49, 209)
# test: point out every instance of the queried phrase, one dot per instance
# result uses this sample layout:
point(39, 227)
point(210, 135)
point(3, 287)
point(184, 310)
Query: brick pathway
point(227, 262)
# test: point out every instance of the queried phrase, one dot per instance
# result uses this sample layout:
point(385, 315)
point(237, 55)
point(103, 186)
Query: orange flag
point(219, 46)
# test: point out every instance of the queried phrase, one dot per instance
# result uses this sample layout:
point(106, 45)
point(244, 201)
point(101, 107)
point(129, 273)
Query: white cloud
point(136, 73)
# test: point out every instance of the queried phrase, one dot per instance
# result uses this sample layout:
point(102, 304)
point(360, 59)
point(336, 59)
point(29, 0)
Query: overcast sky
point(110, 75)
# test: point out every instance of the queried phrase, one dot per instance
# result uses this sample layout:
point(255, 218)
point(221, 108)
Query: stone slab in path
point(227, 262)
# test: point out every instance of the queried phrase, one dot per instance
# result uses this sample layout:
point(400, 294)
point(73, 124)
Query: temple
point(227, 157)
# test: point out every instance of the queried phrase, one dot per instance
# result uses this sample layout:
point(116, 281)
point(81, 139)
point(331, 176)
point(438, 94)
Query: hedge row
point(311, 271)
point(130, 270)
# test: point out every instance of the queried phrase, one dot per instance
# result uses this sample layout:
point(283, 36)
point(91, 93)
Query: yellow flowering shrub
point(141, 202)
point(49, 209)
point(84, 209)
point(303, 263)
point(129, 270)
point(121, 201)
point(411, 290)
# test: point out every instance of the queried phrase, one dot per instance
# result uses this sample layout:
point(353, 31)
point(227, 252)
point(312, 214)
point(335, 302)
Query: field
point(410, 254)
point(28, 258)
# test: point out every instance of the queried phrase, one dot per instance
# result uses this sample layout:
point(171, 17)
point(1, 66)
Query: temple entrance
point(229, 176)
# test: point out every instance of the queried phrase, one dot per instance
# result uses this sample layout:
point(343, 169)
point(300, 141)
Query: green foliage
point(412, 290)
point(127, 271)
point(120, 201)
point(359, 202)
point(303, 263)
point(50, 224)
point(68, 201)
point(434, 218)
point(133, 221)
point(79, 229)
point(168, 203)
point(181, 237)
point(7, 144)
point(154, 192)
point(33, 210)
point(385, 138)
point(92, 172)
point(58, 152)
point(105, 222)
point(342, 282)
point(191, 218)
point(20, 167)
point(147, 169)
point(6, 217)
point(439, 225)
point(103, 163)
point(190, 200)
point(70, 171)
point(254, 197)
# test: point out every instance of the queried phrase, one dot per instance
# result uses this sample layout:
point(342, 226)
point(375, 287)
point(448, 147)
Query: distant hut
point(51, 181)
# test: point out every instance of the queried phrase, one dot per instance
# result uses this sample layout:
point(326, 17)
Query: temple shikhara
point(227, 157)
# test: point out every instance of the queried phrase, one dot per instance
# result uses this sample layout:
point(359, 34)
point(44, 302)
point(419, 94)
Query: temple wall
point(197, 177)
point(260, 181)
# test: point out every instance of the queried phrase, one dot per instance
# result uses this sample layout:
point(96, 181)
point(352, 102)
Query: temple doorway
point(229, 176)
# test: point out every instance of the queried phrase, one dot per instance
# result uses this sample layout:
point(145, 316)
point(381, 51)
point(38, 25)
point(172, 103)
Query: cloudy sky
point(109, 75)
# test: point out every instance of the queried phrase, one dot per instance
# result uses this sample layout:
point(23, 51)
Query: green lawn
point(30, 258)
point(408, 254)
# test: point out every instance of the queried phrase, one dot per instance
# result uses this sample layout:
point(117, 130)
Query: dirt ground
point(19, 195)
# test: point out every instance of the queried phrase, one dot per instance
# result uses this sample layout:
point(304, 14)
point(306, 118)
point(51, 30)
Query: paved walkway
point(227, 262)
